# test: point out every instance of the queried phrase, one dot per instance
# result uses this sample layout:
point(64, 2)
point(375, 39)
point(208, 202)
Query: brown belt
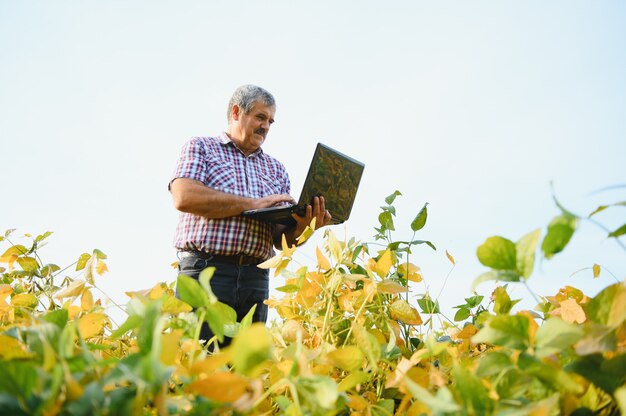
point(237, 259)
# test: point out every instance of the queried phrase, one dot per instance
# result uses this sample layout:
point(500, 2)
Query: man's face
point(252, 128)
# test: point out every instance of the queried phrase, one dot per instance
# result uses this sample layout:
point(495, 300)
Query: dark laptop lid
point(334, 176)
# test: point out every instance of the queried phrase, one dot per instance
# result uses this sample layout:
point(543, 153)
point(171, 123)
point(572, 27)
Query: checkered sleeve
point(192, 161)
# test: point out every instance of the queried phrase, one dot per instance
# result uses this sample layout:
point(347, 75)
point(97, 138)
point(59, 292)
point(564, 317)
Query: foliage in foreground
point(351, 340)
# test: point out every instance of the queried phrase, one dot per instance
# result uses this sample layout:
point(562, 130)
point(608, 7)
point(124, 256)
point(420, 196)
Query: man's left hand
point(316, 210)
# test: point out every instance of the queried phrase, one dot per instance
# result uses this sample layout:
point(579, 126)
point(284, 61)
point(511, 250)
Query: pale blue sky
point(473, 107)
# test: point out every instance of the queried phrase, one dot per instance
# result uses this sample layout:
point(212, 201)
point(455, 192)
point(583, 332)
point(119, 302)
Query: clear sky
point(473, 107)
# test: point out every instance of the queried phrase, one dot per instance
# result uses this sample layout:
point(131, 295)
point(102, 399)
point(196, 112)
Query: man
point(216, 179)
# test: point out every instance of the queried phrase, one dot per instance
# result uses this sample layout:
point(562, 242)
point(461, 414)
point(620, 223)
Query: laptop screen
point(336, 177)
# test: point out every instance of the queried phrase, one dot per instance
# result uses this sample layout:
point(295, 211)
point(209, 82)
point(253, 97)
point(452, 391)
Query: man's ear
point(235, 111)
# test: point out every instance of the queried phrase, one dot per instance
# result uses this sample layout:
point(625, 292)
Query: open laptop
point(332, 175)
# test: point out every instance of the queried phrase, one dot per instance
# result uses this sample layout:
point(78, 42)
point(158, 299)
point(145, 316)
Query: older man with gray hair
point(215, 180)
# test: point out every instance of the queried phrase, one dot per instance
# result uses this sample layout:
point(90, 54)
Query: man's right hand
point(272, 200)
point(196, 198)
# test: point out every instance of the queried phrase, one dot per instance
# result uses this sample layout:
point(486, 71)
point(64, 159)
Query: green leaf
point(620, 231)
point(384, 407)
point(18, 378)
point(462, 314)
point(367, 342)
point(428, 243)
point(190, 291)
point(251, 348)
point(428, 305)
point(386, 220)
point(389, 208)
point(498, 253)
point(99, 254)
point(492, 363)
point(205, 281)
point(319, 391)
point(49, 269)
point(28, 264)
point(555, 335)
point(288, 288)
point(503, 303)
point(132, 322)
point(219, 316)
point(247, 320)
point(525, 252)
point(58, 317)
point(352, 380)
point(473, 394)
point(474, 301)
point(560, 231)
point(82, 261)
point(441, 403)
point(43, 236)
point(147, 330)
point(420, 220)
point(553, 376)
point(499, 275)
point(609, 306)
point(389, 200)
point(506, 331)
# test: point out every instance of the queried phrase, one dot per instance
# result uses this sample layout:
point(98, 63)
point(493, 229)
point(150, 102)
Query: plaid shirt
point(216, 162)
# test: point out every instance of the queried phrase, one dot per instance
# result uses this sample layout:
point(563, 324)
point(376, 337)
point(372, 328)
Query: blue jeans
point(240, 287)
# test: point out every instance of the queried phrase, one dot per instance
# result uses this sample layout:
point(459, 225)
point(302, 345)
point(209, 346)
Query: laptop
point(332, 175)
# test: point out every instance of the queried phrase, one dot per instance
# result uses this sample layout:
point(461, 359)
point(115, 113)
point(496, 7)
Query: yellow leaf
point(210, 364)
point(384, 263)
point(334, 246)
point(92, 324)
point(9, 258)
point(307, 233)
point(73, 289)
point(86, 300)
point(391, 286)
point(11, 348)
point(467, 332)
point(410, 271)
point(596, 270)
point(174, 306)
point(287, 251)
point(271, 263)
point(221, 387)
point(101, 267)
point(402, 311)
point(450, 257)
point(24, 300)
point(290, 330)
point(572, 312)
point(357, 403)
point(284, 263)
point(170, 346)
point(348, 358)
point(322, 261)
point(5, 290)
point(346, 301)
point(174, 265)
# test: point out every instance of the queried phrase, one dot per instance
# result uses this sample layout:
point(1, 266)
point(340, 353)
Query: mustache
point(261, 131)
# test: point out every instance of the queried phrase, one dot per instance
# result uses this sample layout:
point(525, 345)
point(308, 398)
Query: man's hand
point(271, 200)
point(318, 211)
point(196, 198)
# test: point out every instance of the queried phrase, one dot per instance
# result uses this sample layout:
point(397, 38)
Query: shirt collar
point(225, 140)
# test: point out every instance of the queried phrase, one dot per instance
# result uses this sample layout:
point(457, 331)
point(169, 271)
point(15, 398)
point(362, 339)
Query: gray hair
point(246, 96)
